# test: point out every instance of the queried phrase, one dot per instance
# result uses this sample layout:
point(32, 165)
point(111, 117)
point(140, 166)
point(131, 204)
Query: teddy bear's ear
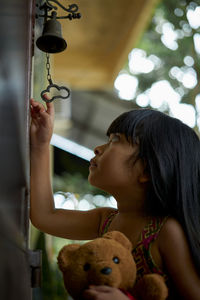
point(65, 255)
point(119, 237)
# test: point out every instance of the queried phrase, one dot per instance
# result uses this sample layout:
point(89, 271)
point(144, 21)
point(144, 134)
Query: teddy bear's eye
point(86, 267)
point(116, 260)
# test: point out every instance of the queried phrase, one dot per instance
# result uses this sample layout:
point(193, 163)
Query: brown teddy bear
point(107, 261)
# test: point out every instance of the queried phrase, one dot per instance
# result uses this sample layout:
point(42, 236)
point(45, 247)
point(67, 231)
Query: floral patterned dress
point(142, 252)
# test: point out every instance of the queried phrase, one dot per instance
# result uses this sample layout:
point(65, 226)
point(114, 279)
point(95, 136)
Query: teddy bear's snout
point(103, 274)
point(106, 271)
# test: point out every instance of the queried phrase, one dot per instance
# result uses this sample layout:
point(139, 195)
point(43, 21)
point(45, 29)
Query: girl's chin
point(96, 185)
point(92, 181)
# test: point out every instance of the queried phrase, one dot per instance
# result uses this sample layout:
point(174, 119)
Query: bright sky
point(161, 95)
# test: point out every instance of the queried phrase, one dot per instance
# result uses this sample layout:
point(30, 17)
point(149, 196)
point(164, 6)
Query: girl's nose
point(98, 150)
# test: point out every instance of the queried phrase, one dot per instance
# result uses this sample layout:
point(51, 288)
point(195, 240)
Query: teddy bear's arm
point(151, 287)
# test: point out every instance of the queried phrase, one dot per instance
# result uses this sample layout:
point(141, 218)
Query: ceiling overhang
point(99, 42)
point(98, 47)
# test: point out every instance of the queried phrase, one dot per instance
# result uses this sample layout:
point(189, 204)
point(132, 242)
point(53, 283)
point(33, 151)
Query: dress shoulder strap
point(142, 254)
point(152, 229)
point(107, 222)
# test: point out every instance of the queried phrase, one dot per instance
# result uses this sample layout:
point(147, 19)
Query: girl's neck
point(132, 205)
point(132, 211)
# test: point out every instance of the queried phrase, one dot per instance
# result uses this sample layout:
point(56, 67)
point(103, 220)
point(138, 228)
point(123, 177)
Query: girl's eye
point(114, 138)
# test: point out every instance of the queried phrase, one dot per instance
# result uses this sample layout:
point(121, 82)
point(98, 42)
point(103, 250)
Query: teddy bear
point(107, 260)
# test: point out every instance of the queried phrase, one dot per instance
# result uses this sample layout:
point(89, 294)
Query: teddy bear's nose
point(106, 271)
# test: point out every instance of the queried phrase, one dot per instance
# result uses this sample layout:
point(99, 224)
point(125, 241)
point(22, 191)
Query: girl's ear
point(143, 178)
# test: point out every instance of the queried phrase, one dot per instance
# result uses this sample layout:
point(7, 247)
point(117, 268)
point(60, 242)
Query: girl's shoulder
point(172, 242)
point(171, 229)
point(176, 255)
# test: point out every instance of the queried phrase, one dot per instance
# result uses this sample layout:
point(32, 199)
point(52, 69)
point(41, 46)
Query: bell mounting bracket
point(72, 10)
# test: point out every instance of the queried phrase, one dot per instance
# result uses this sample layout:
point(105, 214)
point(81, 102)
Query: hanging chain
point(48, 68)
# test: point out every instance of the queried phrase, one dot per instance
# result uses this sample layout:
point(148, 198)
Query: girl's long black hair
point(171, 152)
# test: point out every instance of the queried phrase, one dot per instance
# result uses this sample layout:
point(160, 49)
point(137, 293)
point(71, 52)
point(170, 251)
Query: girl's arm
point(177, 258)
point(59, 222)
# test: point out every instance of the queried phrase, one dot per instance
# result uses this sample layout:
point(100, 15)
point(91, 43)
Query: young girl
point(151, 165)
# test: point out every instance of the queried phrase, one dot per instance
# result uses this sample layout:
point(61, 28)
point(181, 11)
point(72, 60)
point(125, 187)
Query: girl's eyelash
point(115, 135)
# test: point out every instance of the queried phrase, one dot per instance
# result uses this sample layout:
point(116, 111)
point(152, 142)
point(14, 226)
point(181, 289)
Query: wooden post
point(15, 81)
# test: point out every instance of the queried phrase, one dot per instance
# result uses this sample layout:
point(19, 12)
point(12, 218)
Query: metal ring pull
point(59, 88)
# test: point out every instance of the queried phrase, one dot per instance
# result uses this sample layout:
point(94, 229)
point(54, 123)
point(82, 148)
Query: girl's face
point(111, 169)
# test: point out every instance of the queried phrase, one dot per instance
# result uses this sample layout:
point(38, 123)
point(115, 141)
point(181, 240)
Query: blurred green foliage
point(75, 183)
point(150, 42)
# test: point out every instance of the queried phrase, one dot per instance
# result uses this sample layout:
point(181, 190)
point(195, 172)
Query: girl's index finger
point(50, 108)
point(49, 105)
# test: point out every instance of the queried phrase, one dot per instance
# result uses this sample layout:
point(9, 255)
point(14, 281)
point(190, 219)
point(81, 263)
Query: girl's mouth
point(92, 164)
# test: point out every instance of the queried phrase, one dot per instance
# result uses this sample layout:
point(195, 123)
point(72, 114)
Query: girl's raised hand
point(42, 120)
point(103, 292)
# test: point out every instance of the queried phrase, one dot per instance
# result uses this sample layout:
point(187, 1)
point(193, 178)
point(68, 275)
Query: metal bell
point(51, 40)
